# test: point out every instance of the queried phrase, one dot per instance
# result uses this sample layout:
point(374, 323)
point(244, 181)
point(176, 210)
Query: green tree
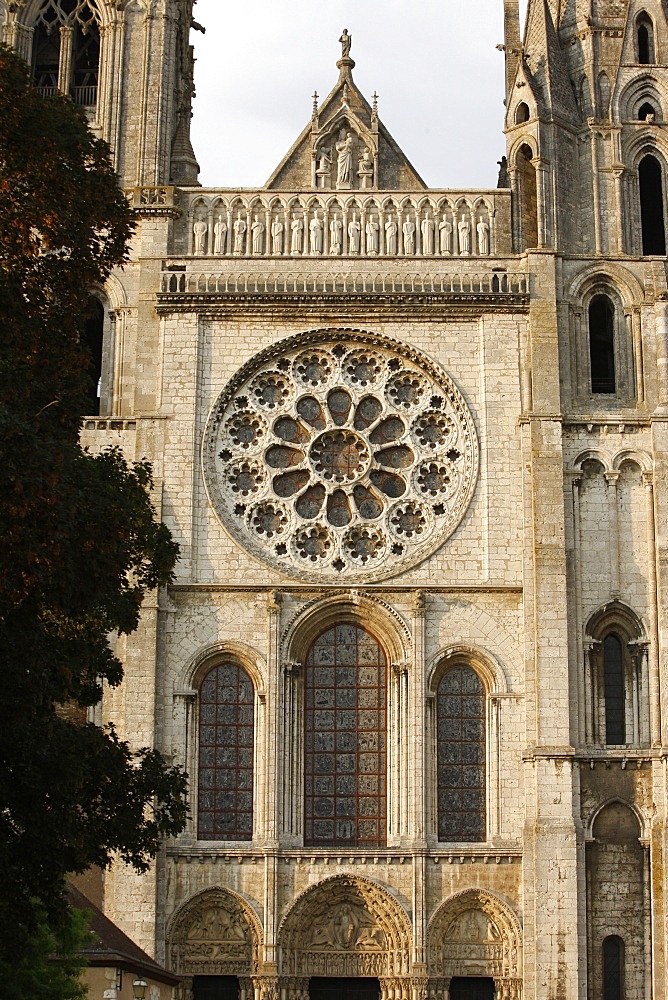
point(79, 542)
point(50, 966)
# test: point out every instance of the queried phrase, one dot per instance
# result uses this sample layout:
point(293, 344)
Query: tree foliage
point(50, 965)
point(79, 542)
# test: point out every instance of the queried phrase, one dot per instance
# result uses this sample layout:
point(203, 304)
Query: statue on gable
point(365, 169)
point(344, 166)
point(323, 170)
point(346, 42)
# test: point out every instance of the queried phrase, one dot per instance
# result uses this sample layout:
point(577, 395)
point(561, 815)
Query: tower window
point(602, 344)
point(645, 111)
point(645, 39)
point(613, 691)
point(66, 50)
point(650, 176)
point(522, 113)
point(93, 339)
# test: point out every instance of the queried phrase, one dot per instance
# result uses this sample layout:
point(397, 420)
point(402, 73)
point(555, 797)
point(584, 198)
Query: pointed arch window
point(602, 344)
point(460, 755)
point(613, 691)
point(522, 113)
point(345, 733)
point(645, 111)
point(66, 50)
point(652, 211)
point(226, 736)
point(93, 339)
point(645, 39)
point(613, 968)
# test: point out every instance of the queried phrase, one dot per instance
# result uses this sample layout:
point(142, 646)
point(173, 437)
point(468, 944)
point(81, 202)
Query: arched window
point(225, 776)
point(645, 39)
point(602, 344)
point(522, 113)
point(345, 727)
point(645, 111)
point(603, 95)
point(613, 691)
point(460, 713)
point(66, 50)
point(652, 218)
point(613, 968)
point(93, 338)
point(528, 221)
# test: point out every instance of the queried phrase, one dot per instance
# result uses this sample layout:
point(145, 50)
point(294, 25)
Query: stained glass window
point(345, 740)
point(461, 756)
point(225, 800)
point(613, 955)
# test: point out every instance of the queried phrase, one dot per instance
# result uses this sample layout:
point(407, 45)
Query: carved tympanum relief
point(340, 456)
point(346, 928)
point(212, 937)
point(474, 934)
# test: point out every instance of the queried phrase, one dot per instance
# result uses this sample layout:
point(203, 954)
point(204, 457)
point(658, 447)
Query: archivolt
point(497, 951)
point(217, 917)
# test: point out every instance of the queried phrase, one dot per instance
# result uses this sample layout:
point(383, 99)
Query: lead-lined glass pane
point(461, 756)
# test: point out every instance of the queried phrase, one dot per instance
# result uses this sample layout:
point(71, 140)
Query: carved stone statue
point(297, 238)
point(219, 234)
point(464, 229)
point(372, 231)
point(483, 238)
point(428, 228)
point(445, 237)
point(408, 230)
point(335, 235)
point(391, 234)
point(199, 231)
point(257, 231)
point(346, 42)
point(315, 235)
point(277, 236)
point(344, 152)
point(239, 235)
point(323, 171)
point(365, 169)
point(354, 234)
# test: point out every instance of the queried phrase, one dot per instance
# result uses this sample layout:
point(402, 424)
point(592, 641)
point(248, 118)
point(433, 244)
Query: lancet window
point(460, 709)
point(617, 710)
point(345, 732)
point(93, 339)
point(66, 50)
point(645, 39)
point(613, 968)
point(652, 211)
point(602, 344)
point(226, 736)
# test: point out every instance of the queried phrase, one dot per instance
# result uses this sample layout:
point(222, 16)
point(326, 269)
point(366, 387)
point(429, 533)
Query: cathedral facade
point(413, 444)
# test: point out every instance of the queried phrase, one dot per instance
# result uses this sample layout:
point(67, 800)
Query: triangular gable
point(345, 147)
point(546, 62)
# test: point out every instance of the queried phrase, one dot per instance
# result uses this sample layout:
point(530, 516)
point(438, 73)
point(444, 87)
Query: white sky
point(433, 63)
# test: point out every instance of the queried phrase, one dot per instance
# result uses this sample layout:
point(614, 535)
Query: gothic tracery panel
point(340, 457)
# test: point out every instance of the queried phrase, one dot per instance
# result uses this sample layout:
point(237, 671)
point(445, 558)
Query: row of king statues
point(298, 236)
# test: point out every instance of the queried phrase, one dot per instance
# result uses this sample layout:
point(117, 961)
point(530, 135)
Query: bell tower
point(129, 63)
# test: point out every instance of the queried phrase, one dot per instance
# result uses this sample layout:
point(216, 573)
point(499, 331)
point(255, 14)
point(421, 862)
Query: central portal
point(471, 988)
point(344, 989)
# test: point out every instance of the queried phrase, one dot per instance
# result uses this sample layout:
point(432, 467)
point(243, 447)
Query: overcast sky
point(433, 63)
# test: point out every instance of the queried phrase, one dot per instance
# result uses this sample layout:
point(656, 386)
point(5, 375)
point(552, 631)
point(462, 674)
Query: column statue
point(372, 231)
point(483, 238)
point(445, 237)
point(277, 236)
point(219, 234)
point(428, 228)
point(354, 234)
point(297, 228)
point(199, 231)
point(408, 229)
point(391, 234)
point(257, 232)
point(239, 235)
point(315, 235)
point(464, 229)
point(335, 235)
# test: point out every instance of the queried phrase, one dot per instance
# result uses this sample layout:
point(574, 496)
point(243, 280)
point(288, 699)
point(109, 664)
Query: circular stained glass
point(340, 456)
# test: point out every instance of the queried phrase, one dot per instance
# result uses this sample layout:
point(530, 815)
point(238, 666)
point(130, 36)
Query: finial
point(315, 105)
point(344, 96)
point(374, 108)
point(346, 41)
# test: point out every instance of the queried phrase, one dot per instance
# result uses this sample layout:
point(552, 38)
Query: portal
point(344, 989)
point(215, 988)
point(471, 988)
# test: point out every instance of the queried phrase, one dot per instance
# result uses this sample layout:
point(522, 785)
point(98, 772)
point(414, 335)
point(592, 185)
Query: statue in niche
point(297, 238)
point(445, 237)
point(239, 235)
point(372, 231)
point(315, 235)
point(354, 234)
point(335, 235)
point(365, 169)
point(483, 238)
point(464, 230)
point(199, 232)
point(408, 230)
point(346, 42)
point(323, 170)
point(219, 234)
point(344, 152)
point(257, 232)
point(391, 235)
point(277, 236)
point(428, 228)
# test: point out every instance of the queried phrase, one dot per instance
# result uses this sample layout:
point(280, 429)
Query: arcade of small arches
point(347, 929)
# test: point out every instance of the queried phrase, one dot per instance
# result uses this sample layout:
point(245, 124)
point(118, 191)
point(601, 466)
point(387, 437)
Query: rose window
point(337, 457)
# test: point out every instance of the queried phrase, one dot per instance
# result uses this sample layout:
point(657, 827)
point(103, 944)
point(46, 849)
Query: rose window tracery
point(340, 456)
